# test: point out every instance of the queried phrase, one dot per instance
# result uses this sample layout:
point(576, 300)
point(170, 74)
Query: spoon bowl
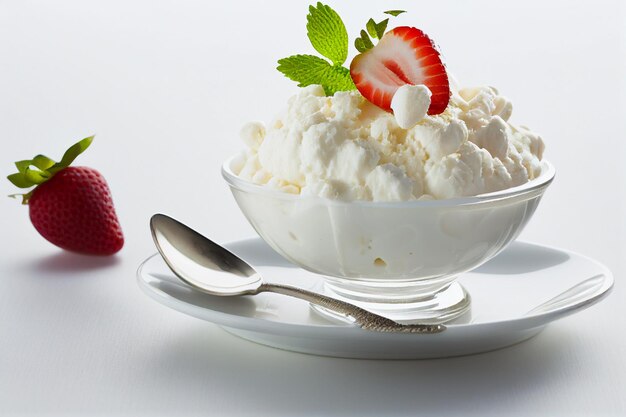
point(200, 262)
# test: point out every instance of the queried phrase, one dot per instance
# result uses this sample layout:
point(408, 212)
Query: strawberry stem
point(32, 172)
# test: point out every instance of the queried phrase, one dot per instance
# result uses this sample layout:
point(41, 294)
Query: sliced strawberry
point(404, 55)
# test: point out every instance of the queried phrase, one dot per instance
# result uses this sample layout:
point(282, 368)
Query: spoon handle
point(363, 318)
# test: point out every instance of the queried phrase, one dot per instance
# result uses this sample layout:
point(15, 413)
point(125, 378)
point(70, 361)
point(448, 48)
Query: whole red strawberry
point(70, 206)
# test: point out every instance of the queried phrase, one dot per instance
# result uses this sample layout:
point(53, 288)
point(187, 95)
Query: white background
point(165, 86)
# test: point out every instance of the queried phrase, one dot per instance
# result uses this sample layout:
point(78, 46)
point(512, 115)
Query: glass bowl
point(399, 259)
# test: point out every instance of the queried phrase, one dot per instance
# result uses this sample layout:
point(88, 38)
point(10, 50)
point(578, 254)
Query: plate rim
point(274, 327)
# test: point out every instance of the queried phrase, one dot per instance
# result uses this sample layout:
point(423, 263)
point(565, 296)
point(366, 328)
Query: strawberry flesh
point(404, 55)
point(74, 210)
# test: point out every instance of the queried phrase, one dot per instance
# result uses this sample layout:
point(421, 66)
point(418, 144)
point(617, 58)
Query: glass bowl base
point(450, 303)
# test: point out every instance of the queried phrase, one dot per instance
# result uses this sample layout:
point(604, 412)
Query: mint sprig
point(329, 37)
point(31, 172)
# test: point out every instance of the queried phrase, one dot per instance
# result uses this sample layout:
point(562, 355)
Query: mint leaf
point(395, 13)
point(329, 37)
point(304, 69)
point(309, 69)
point(327, 33)
point(338, 79)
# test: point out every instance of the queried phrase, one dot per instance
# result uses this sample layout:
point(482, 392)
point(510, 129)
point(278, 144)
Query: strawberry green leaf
point(395, 13)
point(25, 197)
point(36, 176)
point(327, 33)
point(366, 39)
point(371, 28)
point(71, 154)
point(19, 180)
point(32, 172)
point(309, 69)
point(380, 28)
point(22, 166)
point(42, 162)
point(376, 30)
point(363, 43)
point(360, 45)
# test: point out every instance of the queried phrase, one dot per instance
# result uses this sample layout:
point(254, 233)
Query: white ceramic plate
point(514, 296)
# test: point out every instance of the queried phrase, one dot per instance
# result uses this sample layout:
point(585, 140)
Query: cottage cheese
point(343, 147)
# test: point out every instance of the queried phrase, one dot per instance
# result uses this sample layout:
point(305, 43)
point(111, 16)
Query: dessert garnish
point(329, 37)
point(70, 206)
point(403, 56)
point(392, 128)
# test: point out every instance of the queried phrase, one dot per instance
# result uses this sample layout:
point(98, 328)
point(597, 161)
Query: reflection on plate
point(514, 296)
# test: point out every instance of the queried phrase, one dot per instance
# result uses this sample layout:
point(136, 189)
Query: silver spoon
point(210, 268)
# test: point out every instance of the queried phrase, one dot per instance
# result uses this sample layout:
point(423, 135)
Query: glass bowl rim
point(536, 184)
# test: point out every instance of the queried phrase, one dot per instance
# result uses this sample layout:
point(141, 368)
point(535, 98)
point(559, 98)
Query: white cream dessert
point(344, 147)
point(391, 127)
